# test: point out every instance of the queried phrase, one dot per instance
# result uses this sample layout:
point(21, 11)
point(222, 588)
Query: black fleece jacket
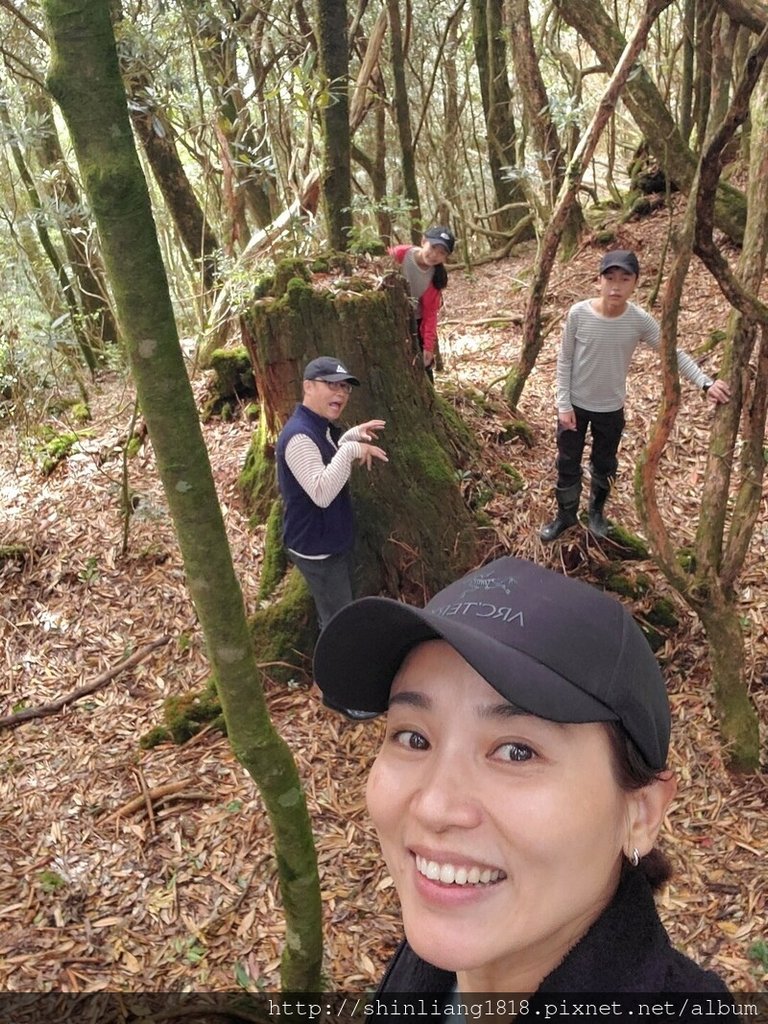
point(627, 950)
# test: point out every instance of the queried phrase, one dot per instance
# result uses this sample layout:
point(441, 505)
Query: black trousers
point(606, 429)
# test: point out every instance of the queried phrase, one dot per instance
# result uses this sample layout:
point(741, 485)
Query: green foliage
point(55, 448)
point(515, 482)
point(50, 881)
point(364, 234)
point(758, 952)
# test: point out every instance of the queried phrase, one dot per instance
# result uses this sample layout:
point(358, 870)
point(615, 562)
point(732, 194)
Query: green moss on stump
point(257, 478)
point(629, 544)
point(284, 632)
point(275, 561)
point(288, 272)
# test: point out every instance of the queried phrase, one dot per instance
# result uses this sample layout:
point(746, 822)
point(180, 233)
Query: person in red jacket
point(423, 267)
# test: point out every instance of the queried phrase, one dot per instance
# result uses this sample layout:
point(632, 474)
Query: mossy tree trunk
point(85, 80)
point(491, 56)
point(729, 507)
point(414, 531)
point(337, 177)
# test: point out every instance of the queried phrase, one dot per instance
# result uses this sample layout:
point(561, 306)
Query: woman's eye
point(514, 752)
point(410, 739)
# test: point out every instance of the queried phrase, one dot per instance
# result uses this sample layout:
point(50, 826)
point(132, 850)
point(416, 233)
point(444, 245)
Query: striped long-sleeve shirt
point(595, 354)
point(323, 483)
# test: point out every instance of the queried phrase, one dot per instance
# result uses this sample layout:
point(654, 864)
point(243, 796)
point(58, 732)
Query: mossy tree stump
point(414, 531)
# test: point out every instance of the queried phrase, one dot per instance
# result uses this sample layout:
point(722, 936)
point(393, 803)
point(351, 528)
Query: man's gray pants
point(329, 581)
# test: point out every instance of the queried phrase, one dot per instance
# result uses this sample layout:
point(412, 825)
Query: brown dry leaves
point(153, 870)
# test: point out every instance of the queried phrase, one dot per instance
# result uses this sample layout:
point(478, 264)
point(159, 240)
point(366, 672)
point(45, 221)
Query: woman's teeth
point(450, 875)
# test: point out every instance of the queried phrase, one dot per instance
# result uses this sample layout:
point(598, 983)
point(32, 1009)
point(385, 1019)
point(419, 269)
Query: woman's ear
point(646, 809)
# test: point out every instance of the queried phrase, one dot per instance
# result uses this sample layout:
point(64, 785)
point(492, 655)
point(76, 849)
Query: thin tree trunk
point(402, 114)
point(85, 79)
point(334, 65)
point(491, 57)
point(90, 356)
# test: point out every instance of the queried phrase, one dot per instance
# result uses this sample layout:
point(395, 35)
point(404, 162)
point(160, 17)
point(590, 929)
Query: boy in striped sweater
point(599, 340)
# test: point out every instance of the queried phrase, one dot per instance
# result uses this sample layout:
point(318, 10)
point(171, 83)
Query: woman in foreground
point(521, 785)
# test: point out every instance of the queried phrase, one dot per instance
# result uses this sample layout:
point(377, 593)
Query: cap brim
point(362, 648)
point(332, 378)
point(618, 266)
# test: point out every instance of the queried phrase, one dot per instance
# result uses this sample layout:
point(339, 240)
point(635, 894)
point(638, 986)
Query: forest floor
point(132, 870)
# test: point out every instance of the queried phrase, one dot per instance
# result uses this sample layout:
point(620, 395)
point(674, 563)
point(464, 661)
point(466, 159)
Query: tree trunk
point(650, 113)
point(77, 232)
point(402, 114)
point(550, 156)
point(491, 57)
point(334, 66)
point(90, 355)
point(414, 532)
point(85, 79)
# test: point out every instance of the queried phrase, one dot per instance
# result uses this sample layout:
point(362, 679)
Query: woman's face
point(503, 832)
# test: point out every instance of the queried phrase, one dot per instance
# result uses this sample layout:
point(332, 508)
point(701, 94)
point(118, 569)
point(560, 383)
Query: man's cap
point(621, 258)
point(328, 368)
point(553, 646)
point(439, 235)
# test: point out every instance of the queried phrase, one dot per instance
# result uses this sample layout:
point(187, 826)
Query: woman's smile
point(486, 816)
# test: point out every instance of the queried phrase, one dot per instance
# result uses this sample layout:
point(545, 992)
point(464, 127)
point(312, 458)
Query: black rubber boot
point(567, 509)
point(598, 494)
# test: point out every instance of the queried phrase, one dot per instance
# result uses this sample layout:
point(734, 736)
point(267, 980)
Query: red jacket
point(428, 305)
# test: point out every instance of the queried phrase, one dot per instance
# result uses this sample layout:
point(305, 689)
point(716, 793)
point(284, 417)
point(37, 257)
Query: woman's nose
point(446, 797)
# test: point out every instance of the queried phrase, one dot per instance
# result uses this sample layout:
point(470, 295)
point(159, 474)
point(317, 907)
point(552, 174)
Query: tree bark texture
point(550, 156)
point(84, 78)
point(650, 113)
point(403, 117)
point(491, 57)
point(334, 65)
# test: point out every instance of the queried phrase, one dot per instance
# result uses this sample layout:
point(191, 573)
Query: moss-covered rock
point(513, 481)
point(518, 430)
point(233, 382)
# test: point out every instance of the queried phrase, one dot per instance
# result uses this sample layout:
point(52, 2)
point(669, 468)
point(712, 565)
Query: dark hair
point(631, 771)
point(439, 277)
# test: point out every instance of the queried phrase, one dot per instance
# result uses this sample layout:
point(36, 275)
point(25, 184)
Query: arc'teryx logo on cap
point(487, 584)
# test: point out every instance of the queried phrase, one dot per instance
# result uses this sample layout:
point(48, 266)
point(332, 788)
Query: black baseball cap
point(554, 647)
point(439, 235)
point(621, 258)
point(328, 368)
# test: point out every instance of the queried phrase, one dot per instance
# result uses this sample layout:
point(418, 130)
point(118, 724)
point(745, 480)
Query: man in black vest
point(314, 463)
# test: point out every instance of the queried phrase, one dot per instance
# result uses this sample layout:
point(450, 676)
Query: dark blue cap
point(553, 646)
